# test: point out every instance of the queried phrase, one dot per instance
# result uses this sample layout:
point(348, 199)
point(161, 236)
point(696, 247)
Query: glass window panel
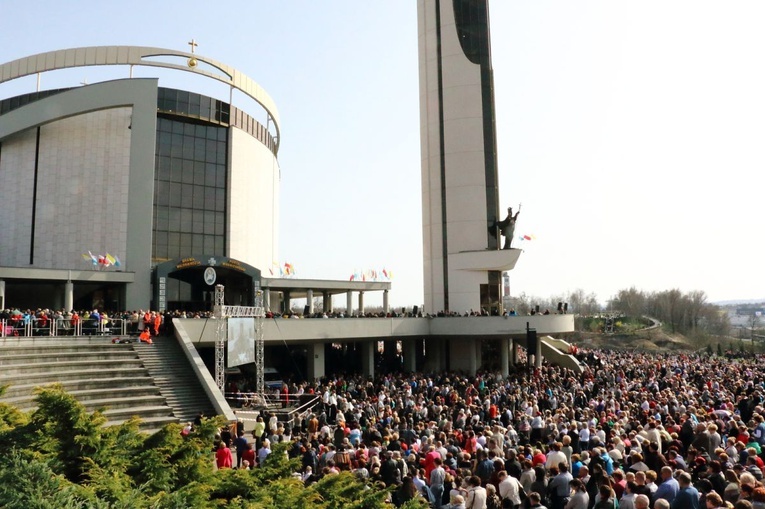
point(222, 155)
point(204, 108)
point(197, 244)
point(188, 129)
point(199, 173)
point(210, 174)
point(220, 224)
point(209, 244)
point(194, 105)
point(160, 251)
point(161, 238)
point(174, 220)
point(210, 155)
point(220, 200)
point(177, 127)
point(176, 151)
point(177, 138)
point(198, 216)
point(162, 193)
point(188, 172)
point(163, 167)
point(210, 223)
point(173, 239)
point(186, 221)
point(220, 176)
point(162, 218)
point(185, 246)
point(188, 148)
point(199, 149)
point(199, 197)
point(209, 198)
point(164, 141)
point(175, 194)
point(187, 199)
point(219, 247)
point(176, 170)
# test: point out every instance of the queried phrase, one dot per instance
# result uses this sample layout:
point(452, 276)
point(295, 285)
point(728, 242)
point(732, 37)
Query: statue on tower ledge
point(507, 226)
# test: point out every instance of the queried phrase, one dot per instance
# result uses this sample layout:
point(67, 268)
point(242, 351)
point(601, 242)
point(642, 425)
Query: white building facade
point(148, 174)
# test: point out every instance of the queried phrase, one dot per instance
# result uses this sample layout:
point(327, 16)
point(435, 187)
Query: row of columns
point(464, 355)
point(327, 301)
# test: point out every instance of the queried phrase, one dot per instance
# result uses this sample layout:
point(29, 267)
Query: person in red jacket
point(157, 323)
point(145, 336)
point(223, 457)
point(75, 322)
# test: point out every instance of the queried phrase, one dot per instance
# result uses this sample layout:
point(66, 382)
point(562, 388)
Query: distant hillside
point(739, 302)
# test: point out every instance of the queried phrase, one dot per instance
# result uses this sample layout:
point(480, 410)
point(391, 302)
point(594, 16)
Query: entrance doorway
point(188, 284)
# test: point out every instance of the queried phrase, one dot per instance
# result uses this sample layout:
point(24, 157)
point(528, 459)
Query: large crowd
point(633, 430)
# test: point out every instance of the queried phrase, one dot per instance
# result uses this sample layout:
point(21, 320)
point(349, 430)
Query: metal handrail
point(62, 327)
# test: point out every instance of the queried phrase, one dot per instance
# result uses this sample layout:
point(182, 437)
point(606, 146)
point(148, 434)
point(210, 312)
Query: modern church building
point(178, 191)
point(159, 183)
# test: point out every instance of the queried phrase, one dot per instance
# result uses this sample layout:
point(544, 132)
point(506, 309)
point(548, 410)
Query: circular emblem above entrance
point(210, 276)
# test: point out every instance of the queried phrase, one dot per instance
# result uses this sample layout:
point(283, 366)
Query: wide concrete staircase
point(177, 382)
point(151, 382)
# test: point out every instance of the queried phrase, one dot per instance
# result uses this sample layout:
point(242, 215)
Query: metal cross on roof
point(193, 44)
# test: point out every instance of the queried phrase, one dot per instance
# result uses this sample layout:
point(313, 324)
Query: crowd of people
point(633, 430)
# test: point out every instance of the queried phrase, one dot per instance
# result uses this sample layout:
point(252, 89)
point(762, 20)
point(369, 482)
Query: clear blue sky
point(632, 132)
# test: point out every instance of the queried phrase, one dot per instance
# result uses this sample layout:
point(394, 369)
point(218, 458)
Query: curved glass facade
point(189, 189)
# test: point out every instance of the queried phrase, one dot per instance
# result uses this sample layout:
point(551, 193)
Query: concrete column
point(462, 355)
point(434, 355)
point(386, 305)
point(504, 354)
point(68, 296)
point(315, 361)
point(309, 299)
point(409, 347)
point(287, 303)
point(368, 358)
point(326, 301)
point(349, 303)
point(513, 352)
point(361, 303)
point(538, 354)
point(478, 344)
point(267, 299)
point(2, 294)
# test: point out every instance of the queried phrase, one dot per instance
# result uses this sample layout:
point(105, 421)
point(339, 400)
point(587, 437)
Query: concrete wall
point(82, 182)
point(253, 202)
point(17, 163)
point(555, 351)
point(354, 329)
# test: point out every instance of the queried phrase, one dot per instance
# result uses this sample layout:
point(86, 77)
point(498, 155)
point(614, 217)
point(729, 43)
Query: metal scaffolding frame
point(222, 313)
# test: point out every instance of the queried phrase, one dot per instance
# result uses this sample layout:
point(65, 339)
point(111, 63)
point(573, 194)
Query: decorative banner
point(372, 275)
point(102, 261)
point(286, 270)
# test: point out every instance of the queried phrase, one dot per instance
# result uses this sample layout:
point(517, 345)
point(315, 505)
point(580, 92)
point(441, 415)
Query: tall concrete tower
point(461, 255)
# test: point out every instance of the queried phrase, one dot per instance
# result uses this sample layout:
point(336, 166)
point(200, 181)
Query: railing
point(53, 327)
point(255, 400)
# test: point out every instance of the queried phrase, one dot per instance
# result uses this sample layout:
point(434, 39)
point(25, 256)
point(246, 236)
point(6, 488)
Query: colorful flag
point(110, 259)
